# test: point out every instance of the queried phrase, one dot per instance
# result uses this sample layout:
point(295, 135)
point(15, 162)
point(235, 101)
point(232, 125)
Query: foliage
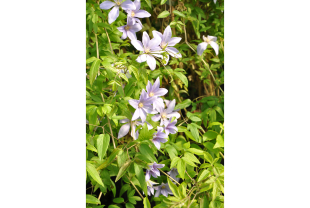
point(116, 168)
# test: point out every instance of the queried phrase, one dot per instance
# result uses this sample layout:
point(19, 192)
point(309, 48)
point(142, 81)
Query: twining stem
point(136, 188)
point(109, 40)
point(169, 176)
point(195, 52)
point(100, 195)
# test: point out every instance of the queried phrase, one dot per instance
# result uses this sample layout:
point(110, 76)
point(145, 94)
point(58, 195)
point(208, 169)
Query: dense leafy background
point(115, 168)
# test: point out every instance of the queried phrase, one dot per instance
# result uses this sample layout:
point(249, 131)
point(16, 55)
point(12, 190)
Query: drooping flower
point(150, 188)
point(113, 14)
point(137, 13)
point(170, 128)
point(153, 170)
point(132, 124)
point(150, 49)
point(130, 29)
point(164, 114)
point(163, 189)
point(173, 173)
point(167, 41)
point(208, 40)
point(142, 106)
point(159, 137)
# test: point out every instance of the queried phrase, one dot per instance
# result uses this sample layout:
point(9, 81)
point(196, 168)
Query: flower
point(167, 40)
point(208, 40)
point(130, 29)
point(170, 128)
point(154, 90)
point(153, 170)
point(125, 128)
point(159, 137)
point(142, 106)
point(116, 4)
point(137, 13)
point(150, 189)
point(166, 113)
point(163, 189)
point(173, 173)
point(150, 49)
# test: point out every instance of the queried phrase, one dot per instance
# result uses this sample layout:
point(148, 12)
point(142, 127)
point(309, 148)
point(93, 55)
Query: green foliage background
point(196, 82)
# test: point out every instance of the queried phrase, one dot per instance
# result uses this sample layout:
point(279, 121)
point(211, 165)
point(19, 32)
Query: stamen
point(132, 14)
point(163, 187)
point(127, 27)
point(118, 3)
point(164, 115)
point(151, 94)
point(147, 50)
point(140, 105)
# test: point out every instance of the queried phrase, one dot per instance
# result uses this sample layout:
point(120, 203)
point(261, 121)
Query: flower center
point(151, 94)
point(147, 50)
point(163, 45)
point(207, 40)
point(163, 187)
point(118, 3)
point(164, 115)
point(132, 14)
point(127, 27)
point(140, 105)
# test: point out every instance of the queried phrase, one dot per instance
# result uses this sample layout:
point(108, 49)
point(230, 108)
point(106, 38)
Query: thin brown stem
point(169, 176)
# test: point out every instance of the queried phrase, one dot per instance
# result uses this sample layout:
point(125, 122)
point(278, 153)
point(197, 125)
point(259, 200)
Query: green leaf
point(208, 157)
point(122, 170)
point(149, 3)
point(178, 13)
point(90, 60)
point(107, 108)
point(164, 14)
point(181, 168)
point(146, 203)
point(103, 142)
point(94, 71)
point(184, 104)
point(123, 76)
point(113, 206)
point(91, 199)
point(219, 142)
point(174, 162)
point(134, 70)
point(195, 151)
point(194, 131)
point(118, 200)
point(129, 205)
point(123, 189)
point(147, 152)
point(91, 170)
point(191, 157)
point(173, 188)
point(141, 178)
point(203, 175)
point(162, 2)
point(219, 110)
point(109, 160)
point(91, 147)
point(145, 133)
point(181, 76)
point(209, 135)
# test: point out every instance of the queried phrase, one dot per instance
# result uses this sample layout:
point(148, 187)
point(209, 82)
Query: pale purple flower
point(159, 137)
point(113, 14)
point(150, 48)
point(142, 106)
point(170, 128)
point(132, 124)
point(173, 174)
point(130, 29)
point(208, 40)
point(164, 114)
point(150, 188)
point(167, 40)
point(137, 13)
point(154, 90)
point(163, 189)
point(153, 170)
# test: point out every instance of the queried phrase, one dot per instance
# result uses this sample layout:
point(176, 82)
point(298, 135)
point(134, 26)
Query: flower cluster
point(151, 103)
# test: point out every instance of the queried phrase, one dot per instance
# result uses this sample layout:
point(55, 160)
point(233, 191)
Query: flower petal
point(156, 117)
point(156, 143)
point(173, 52)
point(154, 43)
point(215, 46)
point(161, 92)
point(171, 106)
point(137, 44)
point(128, 4)
point(201, 47)
point(125, 120)
point(136, 115)
point(134, 103)
point(158, 34)
point(107, 5)
point(151, 62)
point(149, 87)
point(137, 4)
point(157, 192)
point(143, 114)
point(142, 14)
point(123, 130)
point(131, 35)
point(136, 28)
point(174, 41)
point(113, 15)
point(212, 38)
point(167, 34)
point(145, 39)
point(124, 36)
point(173, 114)
point(141, 58)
